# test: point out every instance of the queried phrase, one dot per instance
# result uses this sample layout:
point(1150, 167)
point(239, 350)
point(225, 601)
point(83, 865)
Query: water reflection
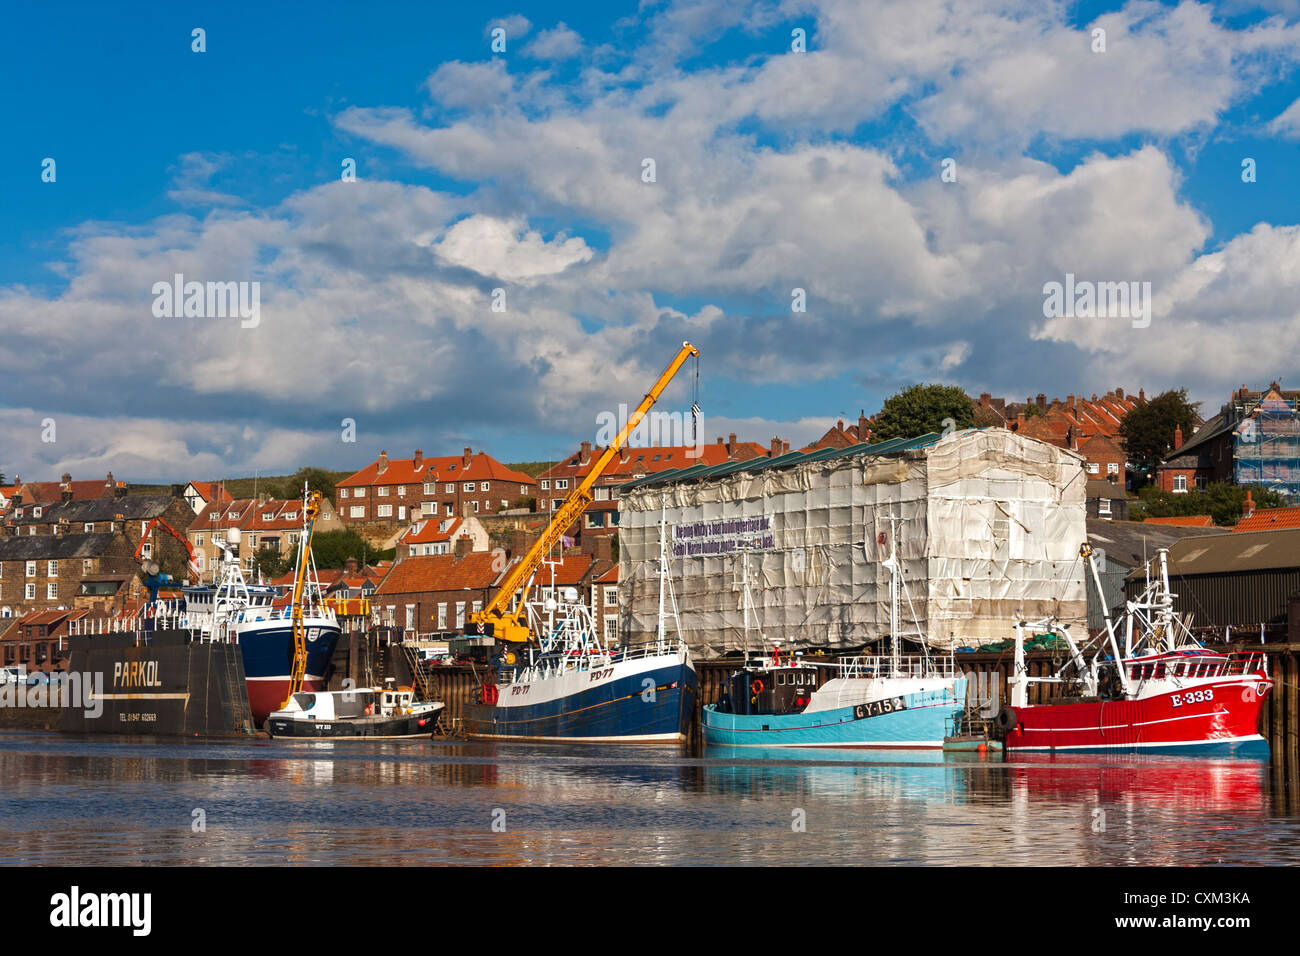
point(92, 800)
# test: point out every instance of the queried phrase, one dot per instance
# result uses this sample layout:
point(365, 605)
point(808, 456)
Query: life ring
point(369, 710)
point(756, 687)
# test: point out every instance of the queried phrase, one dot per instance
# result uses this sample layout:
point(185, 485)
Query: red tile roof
point(211, 490)
point(441, 572)
point(403, 471)
point(609, 577)
point(649, 461)
point(1184, 521)
point(569, 571)
point(1268, 519)
point(427, 531)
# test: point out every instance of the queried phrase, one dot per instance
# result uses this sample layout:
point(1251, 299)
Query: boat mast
point(895, 657)
point(665, 582)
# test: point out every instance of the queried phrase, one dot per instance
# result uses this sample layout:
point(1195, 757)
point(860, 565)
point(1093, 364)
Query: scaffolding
point(989, 525)
point(1266, 448)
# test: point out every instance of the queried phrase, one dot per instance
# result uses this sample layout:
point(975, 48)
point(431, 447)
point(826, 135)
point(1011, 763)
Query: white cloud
point(558, 43)
point(1287, 123)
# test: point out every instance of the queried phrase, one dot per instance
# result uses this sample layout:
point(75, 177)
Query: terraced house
point(263, 523)
point(386, 496)
point(51, 571)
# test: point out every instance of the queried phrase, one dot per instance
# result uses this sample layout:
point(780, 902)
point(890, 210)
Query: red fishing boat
point(1149, 686)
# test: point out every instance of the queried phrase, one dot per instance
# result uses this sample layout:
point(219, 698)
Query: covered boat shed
point(989, 525)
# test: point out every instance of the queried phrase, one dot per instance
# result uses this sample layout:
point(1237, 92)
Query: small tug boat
point(377, 712)
point(1158, 690)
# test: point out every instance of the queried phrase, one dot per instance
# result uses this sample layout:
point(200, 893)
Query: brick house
point(65, 489)
point(1255, 438)
point(1106, 499)
point(264, 523)
point(435, 594)
point(50, 571)
point(389, 494)
point(129, 514)
point(39, 640)
point(840, 436)
point(1088, 426)
point(554, 484)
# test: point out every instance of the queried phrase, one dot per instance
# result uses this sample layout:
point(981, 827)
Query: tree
point(1221, 500)
point(922, 409)
point(1148, 430)
point(317, 479)
point(331, 549)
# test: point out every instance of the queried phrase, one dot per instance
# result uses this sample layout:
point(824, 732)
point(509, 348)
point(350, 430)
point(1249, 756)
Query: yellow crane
point(299, 671)
point(508, 621)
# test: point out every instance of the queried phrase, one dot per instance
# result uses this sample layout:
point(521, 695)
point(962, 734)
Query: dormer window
point(36, 512)
point(291, 516)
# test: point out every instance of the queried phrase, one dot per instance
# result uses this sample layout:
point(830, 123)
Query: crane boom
point(311, 513)
point(498, 619)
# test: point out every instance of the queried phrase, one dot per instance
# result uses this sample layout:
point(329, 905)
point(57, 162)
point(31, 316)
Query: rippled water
point(68, 800)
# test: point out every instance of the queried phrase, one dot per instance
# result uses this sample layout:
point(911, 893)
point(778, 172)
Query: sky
point(452, 244)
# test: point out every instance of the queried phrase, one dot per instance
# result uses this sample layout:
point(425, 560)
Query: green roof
point(707, 472)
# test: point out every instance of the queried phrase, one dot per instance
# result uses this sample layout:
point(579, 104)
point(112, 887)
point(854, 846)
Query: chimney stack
point(1042, 400)
point(985, 398)
point(350, 565)
point(464, 544)
point(1248, 506)
point(864, 430)
point(382, 462)
point(731, 444)
point(419, 459)
point(776, 447)
point(586, 452)
point(466, 457)
point(66, 495)
point(1178, 437)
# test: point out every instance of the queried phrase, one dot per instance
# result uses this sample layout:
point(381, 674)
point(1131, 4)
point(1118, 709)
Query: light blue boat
point(779, 707)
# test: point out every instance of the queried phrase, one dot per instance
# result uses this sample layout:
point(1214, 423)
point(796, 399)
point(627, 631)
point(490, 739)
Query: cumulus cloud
point(377, 295)
point(557, 43)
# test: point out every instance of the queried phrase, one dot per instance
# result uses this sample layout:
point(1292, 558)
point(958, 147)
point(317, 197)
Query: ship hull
point(916, 721)
point(586, 707)
point(356, 728)
point(268, 659)
point(1216, 719)
point(159, 683)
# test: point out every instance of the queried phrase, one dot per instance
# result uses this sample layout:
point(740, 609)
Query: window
point(268, 515)
point(30, 592)
point(1112, 468)
point(198, 540)
point(449, 509)
point(382, 491)
point(357, 511)
point(1093, 468)
point(401, 512)
point(611, 597)
point(291, 516)
point(561, 484)
point(460, 615)
point(410, 617)
point(88, 527)
point(51, 592)
point(478, 606)
point(484, 486)
point(476, 507)
point(611, 626)
point(51, 569)
point(467, 486)
point(1103, 506)
point(384, 511)
point(36, 512)
point(428, 508)
point(546, 484)
point(31, 569)
point(401, 491)
point(451, 488)
point(556, 502)
point(343, 492)
point(442, 615)
point(1180, 484)
point(430, 487)
point(602, 494)
point(87, 565)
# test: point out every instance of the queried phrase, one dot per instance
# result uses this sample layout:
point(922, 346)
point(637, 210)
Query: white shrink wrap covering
point(989, 526)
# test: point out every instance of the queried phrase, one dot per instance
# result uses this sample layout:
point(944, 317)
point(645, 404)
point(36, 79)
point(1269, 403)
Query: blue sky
point(522, 170)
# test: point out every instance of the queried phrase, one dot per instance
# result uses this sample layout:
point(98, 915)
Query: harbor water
point(92, 800)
